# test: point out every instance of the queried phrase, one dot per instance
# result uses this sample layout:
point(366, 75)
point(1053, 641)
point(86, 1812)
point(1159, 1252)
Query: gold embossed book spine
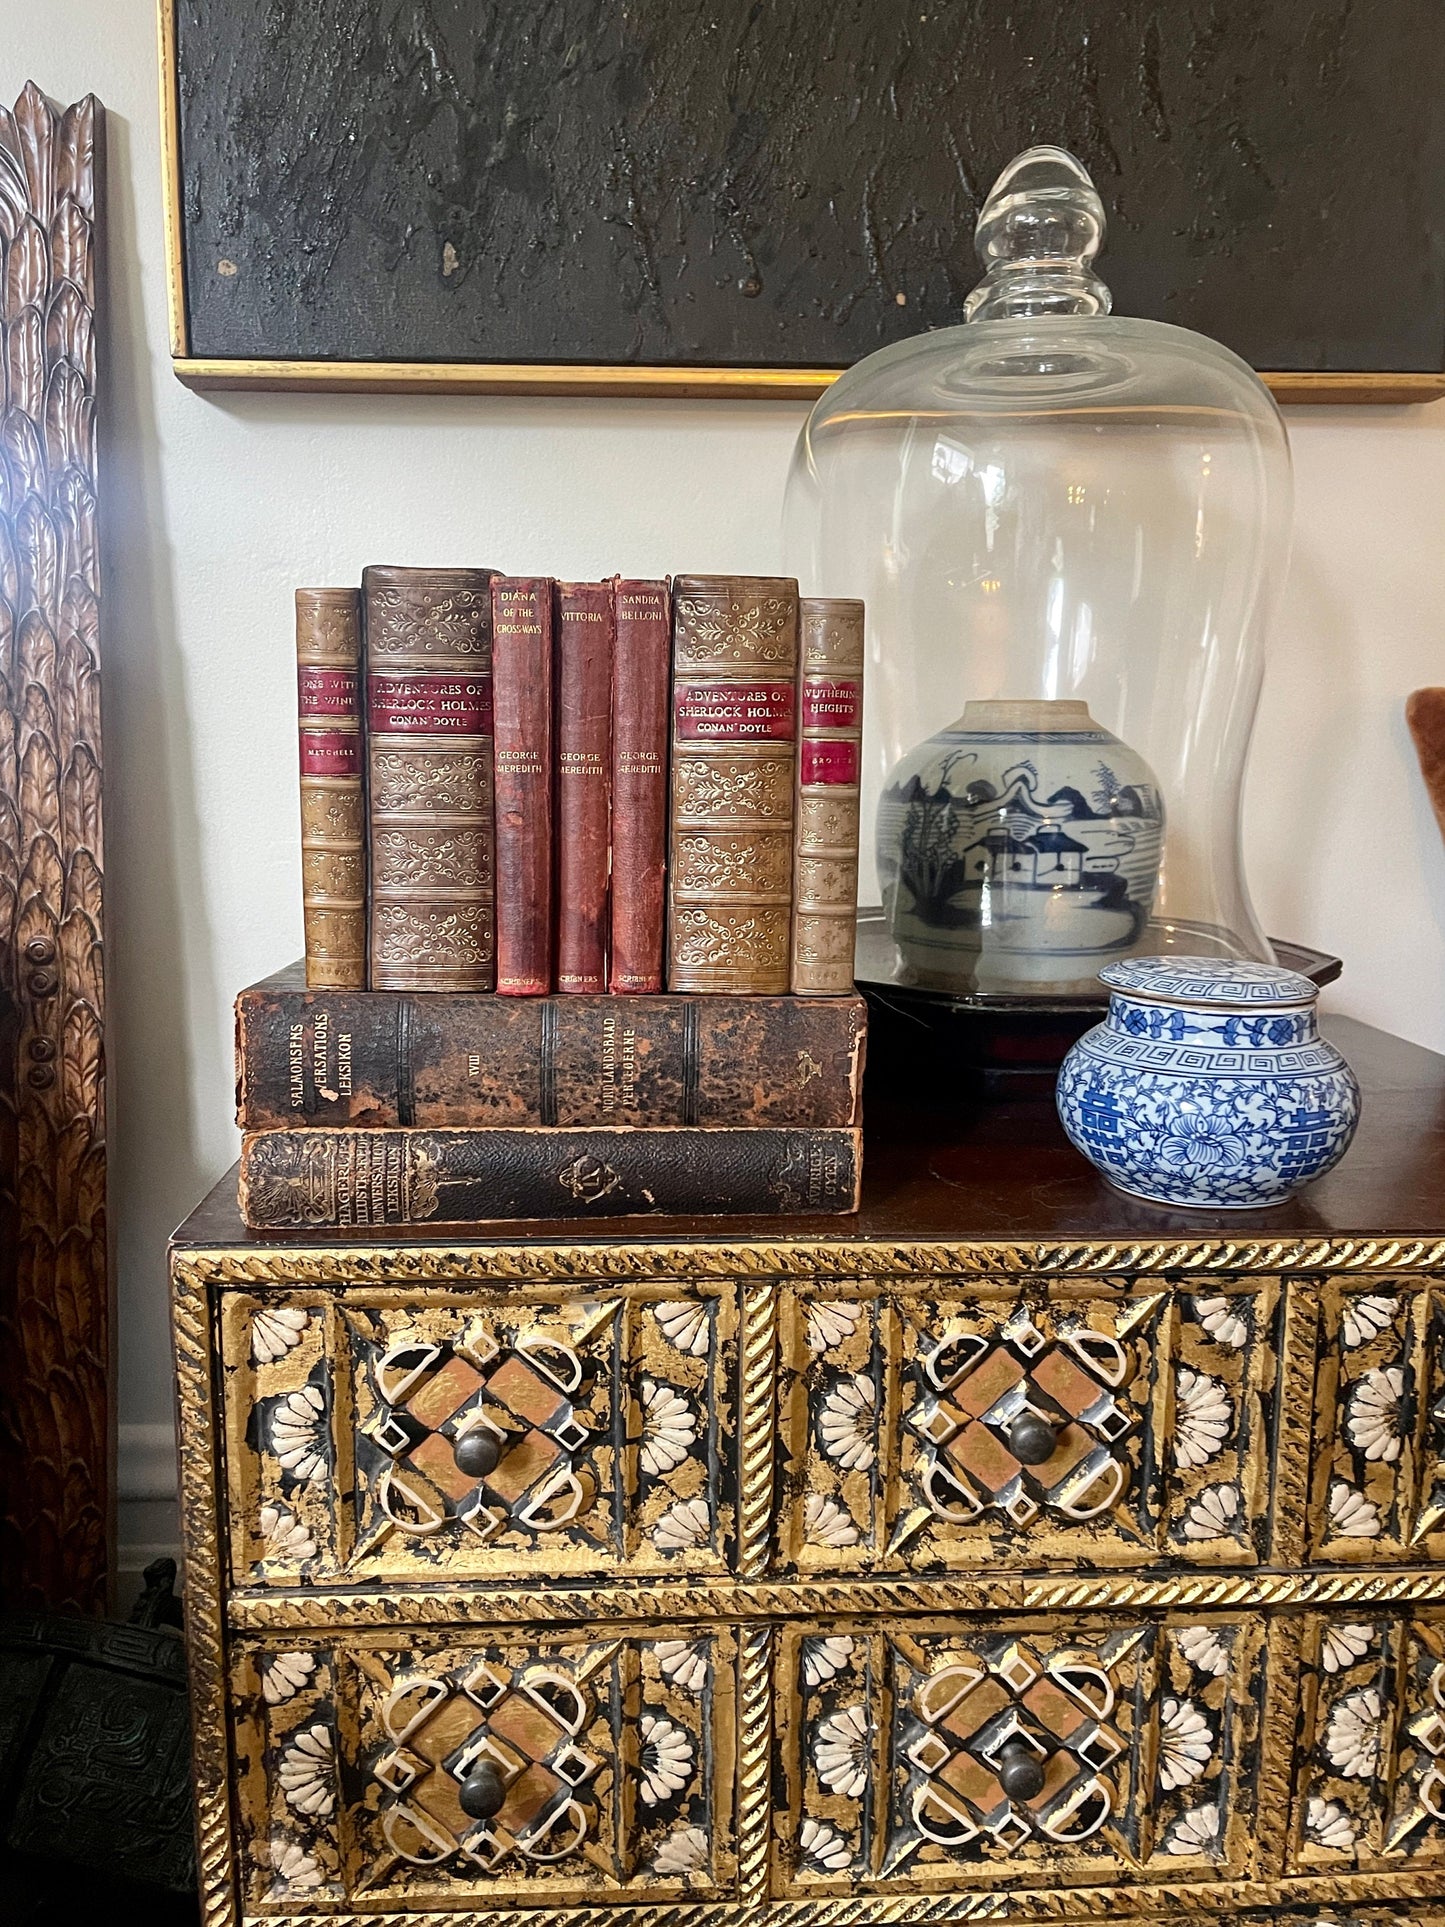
point(333, 822)
point(830, 749)
point(428, 649)
point(734, 736)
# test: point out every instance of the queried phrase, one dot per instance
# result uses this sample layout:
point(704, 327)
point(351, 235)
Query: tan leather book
point(333, 815)
point(825, 841)
point(428, 646)
point(734, 738)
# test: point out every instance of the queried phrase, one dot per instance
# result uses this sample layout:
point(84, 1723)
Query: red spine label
point(831, 705)
point(326, 692)
point(824, 763)
point(330, 752)
point(429, 705)
point(735, 712)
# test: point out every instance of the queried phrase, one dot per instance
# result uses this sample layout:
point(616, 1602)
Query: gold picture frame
point(211, 375)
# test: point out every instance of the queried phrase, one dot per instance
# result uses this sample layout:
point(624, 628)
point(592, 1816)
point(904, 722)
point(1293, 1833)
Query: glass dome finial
point(1037, 235)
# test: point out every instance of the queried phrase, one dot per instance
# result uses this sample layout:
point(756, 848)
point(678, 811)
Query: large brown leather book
point(428, 645)
point(449, 1061)
point(584, 782)
point(642, 663)
point(825, 845)
point(346, 1180)
point(734, 728)
point(333, 815)
point(522, 686)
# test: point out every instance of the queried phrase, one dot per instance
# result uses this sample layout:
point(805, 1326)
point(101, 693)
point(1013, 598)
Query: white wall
point(215, 508)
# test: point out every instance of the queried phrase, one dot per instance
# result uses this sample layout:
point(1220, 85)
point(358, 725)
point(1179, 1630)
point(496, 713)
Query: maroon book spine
point(584, 782)
point(522, 753)
point(641, 668)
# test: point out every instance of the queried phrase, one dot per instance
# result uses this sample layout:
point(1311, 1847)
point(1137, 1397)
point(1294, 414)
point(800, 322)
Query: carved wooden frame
point(56, 1503)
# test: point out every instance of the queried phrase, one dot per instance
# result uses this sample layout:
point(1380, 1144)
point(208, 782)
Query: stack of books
point(580, 869)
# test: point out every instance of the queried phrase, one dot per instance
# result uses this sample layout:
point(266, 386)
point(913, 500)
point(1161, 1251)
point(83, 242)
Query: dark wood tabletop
point(983, 1170)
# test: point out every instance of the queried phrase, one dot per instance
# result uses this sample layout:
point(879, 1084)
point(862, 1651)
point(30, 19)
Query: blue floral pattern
point(1207, 1107)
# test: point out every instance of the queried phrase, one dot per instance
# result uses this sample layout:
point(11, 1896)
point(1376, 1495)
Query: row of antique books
point(529, 786)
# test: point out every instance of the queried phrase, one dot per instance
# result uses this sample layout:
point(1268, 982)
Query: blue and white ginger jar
point(1208, 1084)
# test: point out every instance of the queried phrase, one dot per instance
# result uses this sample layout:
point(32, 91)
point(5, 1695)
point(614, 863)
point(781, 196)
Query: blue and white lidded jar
point(1208, 1084)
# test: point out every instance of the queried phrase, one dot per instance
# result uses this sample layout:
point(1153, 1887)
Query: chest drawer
point(605, 1765)
point(395, 1437)
point(931, 1427)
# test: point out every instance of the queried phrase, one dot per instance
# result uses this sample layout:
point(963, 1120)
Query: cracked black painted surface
point(794, 182)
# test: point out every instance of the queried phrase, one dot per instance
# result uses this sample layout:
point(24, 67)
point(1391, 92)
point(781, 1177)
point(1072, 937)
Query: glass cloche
point(1069, 530)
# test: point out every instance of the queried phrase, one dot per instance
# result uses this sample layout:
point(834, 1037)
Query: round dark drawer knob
point(477, 1453)
point(1031, 1439)
point(1020, 1771)
point(482, 1792)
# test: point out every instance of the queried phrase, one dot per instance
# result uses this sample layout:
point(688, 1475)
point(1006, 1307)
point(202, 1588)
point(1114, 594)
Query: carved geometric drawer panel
point(1379, 1489)
point(378, 1438)
point(612, 1760)
point(1013, 1751)
point(1065, 1423)
point(1371, 1777)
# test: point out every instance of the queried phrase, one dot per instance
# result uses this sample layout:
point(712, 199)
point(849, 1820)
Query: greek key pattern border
point(1154, 1903)
point(205, 1626)
point(585, 1264)
point(745, 1599)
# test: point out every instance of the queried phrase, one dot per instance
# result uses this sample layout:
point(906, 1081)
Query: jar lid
point(1209, 980)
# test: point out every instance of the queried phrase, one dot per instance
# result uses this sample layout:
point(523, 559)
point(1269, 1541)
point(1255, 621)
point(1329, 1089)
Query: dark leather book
point(584, 782)
point(522, 646)
point(333, 814)
point(449, 1061)
point(642, 664)
point(734, 730)
point(825, 843)
point(428, 645)
point(347, 1180)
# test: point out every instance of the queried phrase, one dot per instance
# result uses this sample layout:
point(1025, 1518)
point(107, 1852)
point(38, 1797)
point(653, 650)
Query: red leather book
point(333, 812)
point(584, 781)
point(522, 701)
point(641, 667)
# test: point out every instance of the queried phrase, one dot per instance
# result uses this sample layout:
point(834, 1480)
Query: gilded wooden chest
point(1012, 1552)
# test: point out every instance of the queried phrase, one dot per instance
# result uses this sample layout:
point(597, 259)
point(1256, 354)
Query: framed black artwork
point(744, 196)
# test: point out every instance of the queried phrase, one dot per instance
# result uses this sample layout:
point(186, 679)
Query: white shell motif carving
point(826, 1658)
point(684, 1665)
point(308, 1771)
point(286, 1537)
point(830, 1321)
point(840, 1751)
point(1362, 1318)
point(681, 1852)
point(1343, 1645)
point(1193, 1832)
point(666, 1759)
point(1329, 1825)
point(1352, 1515)
point(275, 1330)
point(1203, 1415)
point(846, 1422)
point(1186, 1741)
point(1223, 1321)
point(823, 1846)
point(1352, 1737)
point(1203, 1648)
point(291, 1864)
point(1374, 1421)
point(669, 1429)
point(826, 1523)
point(684, 1325)
point(298, 1436)
point(284, 1674)
point(1213, 1513)
point(682, 1525)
